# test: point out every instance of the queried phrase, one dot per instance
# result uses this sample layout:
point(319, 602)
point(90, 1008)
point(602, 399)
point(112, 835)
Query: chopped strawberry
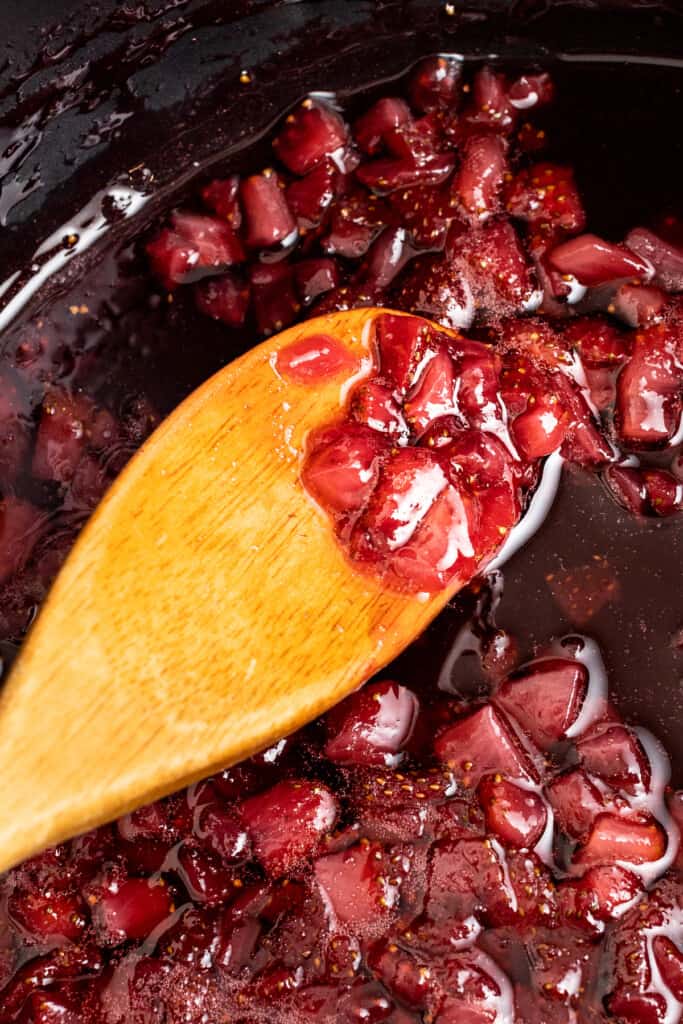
point(614, 753)
point(438, 288)
point(361, 885)
point(225, 298)
point(500, 276)
point(599, 896)
point(649, 389)
point(403, 342)
point(585, 443)
point(20, 528)
point(416, 140)
point(49, 914)
point(665, 256)
point(563, 962)
point(427, 213)
point(287, 822)
point(545, 698)
point(374, 405)
point(669, 959)
point(532, 91)
point(614, 838)
point(477, 458)
point(342, 466)
point(371, 726)
point(638, 304)
point(467, 877)
point(222, 196)
point(592, 261)
point(387, 256)
point(195, 246)
point(478, 370)
point(576, 802)
point(534, 889)
point(664, 491)
point(546, 192)
point(370, 128)
point(355, 224)
point(409, 484)
point(309, 197)
point(206, 877)
point(356, 296)
point(219, 829)
point(274, 298)
point(598, 341)
point(314, 277)
point(541, 429)
point(435, 83)
point(482, 743)
point(268, 217)
point(15, 426)
point(434, 393)
point(490, 107)
point(627, 485)
point(516, 816)
point(310, 133)
point(480, 176)
point(129, 909)
point(386, 174)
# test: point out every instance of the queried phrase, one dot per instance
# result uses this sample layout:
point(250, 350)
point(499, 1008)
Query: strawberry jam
point(488, 832)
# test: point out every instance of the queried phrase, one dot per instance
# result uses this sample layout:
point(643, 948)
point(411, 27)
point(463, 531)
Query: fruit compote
point(484, 834)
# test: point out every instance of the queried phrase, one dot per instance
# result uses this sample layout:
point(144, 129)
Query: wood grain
point(206, 609)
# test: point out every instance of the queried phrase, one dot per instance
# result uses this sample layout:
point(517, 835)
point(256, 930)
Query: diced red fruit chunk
point(222, 196)
point(532, 91)
point(287, 822)
point(593, 261)
point(309, 197)
point(315, 358)
point(541, 429)
point(516, 816)
point(356, 296)
point(63, 434)
point(576, 802)
point(129, 909)
point(545, 698)
point(614, 838)
point(416, 140)
point(268, 217)
point(20, 529)
point(649, 388)
point(466, 877)
point(274, 297)
point(225, 298)
point(310, 133)
point(196, 246)
point(355, 223)
point(426, 212)
point(598, 341)
point(500, 276)
point(547, 193)
point(598, 896)
point(435, 83)
point(490, 106)
point(403, 342)
point(665, 257)
point(386, 174)
point(314, 277)
point(438, 288)
point(410, 481)
point(628, 487)
point(206, 877)
point(434, 393)
point(371, 726)
point(669, 959)
point(49, 914)
point(374, 404)
point(479, 179)
point(387, 256)
point(482, 743)
point(370, 128)
point(664, 491)
point(219, 828)
point(342, 466)
point(358, 885)
point(614, 753)
point(148, 822)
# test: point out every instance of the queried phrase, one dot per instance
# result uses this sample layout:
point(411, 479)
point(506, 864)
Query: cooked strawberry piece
point(355, 224)
point(546, 192)
point(274, 298)
point(404, 342)
point(387, 174)
point(541, 429)
point(129, 909)
point(222, 196)
point(444, 546)
point(480, 176)
point(406, 977)
point(361, 885)
point(638, 304)
point(39, 974)
point(314, 277)
point(598, 341)
point(20, 529)
point(308, 198)
point(593, 261)
point(148, 822)
point(220, 829)
point(63, 434)
point(614, 753)
point(599, 896)
point(426, 212)
point(490, 107)
point(225, 298)
point(195, 247)
point(613, 838)
point(287, 822)
point(49, 914)
point(342, 466)
point(477, 458)
point(545, 698)
point(534, 889)
point(669, 959)
point(516, 816)
point(466, 877)
point(585, 442)
point(563, 964)
point(438, 288)
point(628, 487)
point(434, 393)
point(435, 83)
point(268, 217)
point(417, 140)
point(532, 91)
point(663, 255)
point(387, 256)
point(409, 484)
point(371, 127)
point(664, 491)
point(576, 802)
point(374, 405)
point(61, 1005)
point(356, 296)
point(371, 726)
point(310, 133)
point(499, 274)
point(482, 743)
point(206, 877)
point(649, 389)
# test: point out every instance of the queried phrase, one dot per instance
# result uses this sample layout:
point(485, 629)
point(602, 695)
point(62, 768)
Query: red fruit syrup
point(489, 831)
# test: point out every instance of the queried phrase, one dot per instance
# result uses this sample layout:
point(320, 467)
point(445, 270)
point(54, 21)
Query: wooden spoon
point(206, 609)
